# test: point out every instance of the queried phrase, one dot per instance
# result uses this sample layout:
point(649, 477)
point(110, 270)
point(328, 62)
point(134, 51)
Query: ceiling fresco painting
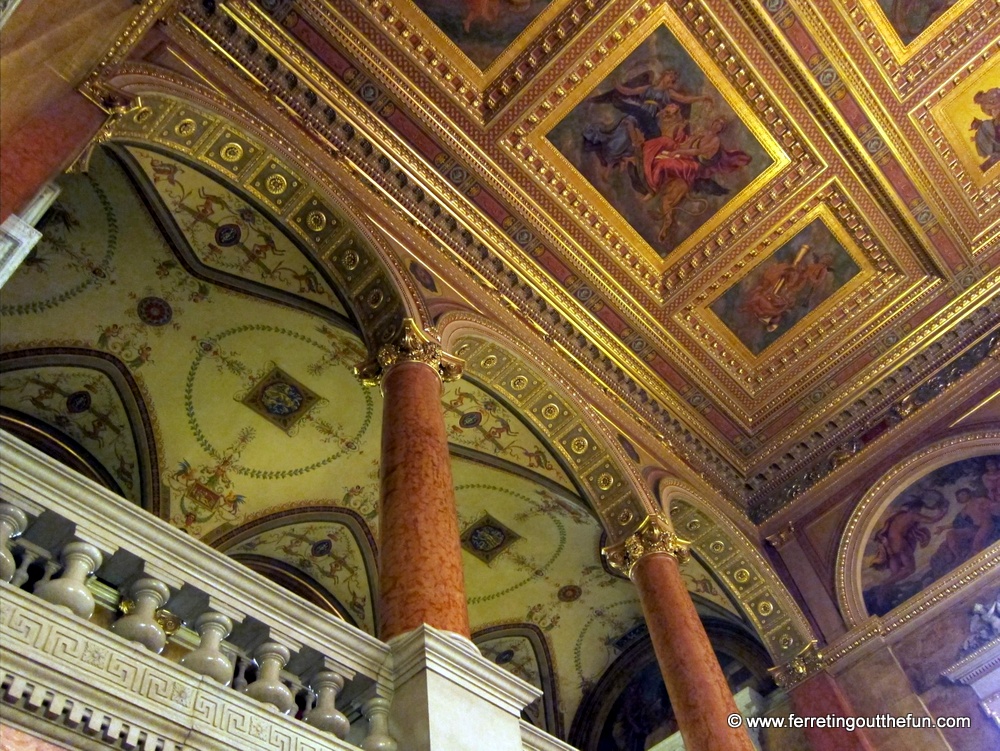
point(969, 116)
point(786, 287)
point(226, 233)
point(327, 552)
point(932, 527)
point(477, 420)
point(84, 405)
point(738, 251)
point(910, 18)
point(551, 569)
point(482, 29)
point(660, 143)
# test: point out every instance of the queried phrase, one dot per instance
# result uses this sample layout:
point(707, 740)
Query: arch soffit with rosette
point(225, 539)
point(379, 292)
point(611, 487)
point(739, 568)
point(869, 511)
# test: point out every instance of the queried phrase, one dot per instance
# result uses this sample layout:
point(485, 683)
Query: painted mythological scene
point(482, 29)
point(934, 526)
point(660, 143)
point(910, 17)
point(782, 290)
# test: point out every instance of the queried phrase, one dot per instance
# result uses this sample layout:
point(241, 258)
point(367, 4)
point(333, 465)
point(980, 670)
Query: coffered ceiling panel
point(759, 226)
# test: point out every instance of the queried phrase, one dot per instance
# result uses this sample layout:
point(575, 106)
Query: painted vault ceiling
point(768, 232)
point(150, 332)
point(761, 226)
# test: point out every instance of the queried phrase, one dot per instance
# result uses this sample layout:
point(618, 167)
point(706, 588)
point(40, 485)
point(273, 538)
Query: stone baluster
point(69, 591)
point(240, 679)
point(52, 567)
point(376, 710)
point(208, 658)
point(13, 522)
point(268, 688)
point(27, 558)
point(326, 716)
point(139, 623)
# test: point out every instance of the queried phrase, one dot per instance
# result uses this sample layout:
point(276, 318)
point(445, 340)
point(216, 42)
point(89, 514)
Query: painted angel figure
point(987, 132)
point(984, 626)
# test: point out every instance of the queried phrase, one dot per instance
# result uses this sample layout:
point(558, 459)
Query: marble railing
point(118, 630)
point(171, 644)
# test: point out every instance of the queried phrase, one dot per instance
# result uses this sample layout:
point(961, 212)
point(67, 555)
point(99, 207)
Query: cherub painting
point(660, 143)
point(783, 289)
point(932, 527)
point(986, 133)
point(482, 29)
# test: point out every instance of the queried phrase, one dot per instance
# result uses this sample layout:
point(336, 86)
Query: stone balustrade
point(96, 588)
point(120, 631)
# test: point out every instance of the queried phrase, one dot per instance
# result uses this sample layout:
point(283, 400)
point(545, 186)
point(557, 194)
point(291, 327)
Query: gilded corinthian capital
point(654, 535)
point(412, 344)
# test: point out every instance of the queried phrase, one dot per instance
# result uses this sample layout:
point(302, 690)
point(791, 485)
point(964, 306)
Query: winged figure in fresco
point(654, 142)
point(640, 99)
point(987, 132)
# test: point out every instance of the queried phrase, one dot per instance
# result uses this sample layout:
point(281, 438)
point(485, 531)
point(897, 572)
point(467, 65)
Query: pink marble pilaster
point(698, 691)
point(420, 555)
point(820, 696)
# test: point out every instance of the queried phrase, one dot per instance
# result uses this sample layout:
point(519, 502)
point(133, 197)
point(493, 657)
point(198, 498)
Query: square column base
point(448, 697)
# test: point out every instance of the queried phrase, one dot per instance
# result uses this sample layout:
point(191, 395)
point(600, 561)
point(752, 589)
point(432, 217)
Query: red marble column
point(41, 147)
point(820, 696)
point(698, 691)
point(420, 554)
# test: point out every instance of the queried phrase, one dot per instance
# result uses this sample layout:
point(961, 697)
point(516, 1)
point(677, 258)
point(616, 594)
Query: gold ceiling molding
point(369, 275)
point(838, 444)
point(900, 61)
point(540, 395)
point(944, 124)
point(750, 98)
point(868, 512)
point(739, 568)
point(355, 141)
point(760, 384)
point(481, 92)
point(380, 161)
point(884, 135)
point(95, 86)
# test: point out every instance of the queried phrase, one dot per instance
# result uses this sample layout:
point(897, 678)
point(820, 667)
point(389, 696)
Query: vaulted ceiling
point(824, 243)
point(746, 241)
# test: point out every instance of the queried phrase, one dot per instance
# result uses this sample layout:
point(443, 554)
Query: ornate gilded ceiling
point(759, 226)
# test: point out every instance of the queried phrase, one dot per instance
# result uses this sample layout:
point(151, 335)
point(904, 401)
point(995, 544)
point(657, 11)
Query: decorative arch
point(247, 155)
point(551, 720)
point(740, 569)
point(632, 686)
point(130, 394)
point(893, 493)
point(342, 572)
point(609, 483)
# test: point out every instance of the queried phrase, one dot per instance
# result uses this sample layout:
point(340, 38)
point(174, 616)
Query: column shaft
point(420, 555)
point(820, 696)
point(698, 691)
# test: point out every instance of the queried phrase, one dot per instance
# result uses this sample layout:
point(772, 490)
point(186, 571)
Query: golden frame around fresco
point(562, 171)
point(766, 251)
point(902, 52)
point(953, 114)
point(480, 78)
